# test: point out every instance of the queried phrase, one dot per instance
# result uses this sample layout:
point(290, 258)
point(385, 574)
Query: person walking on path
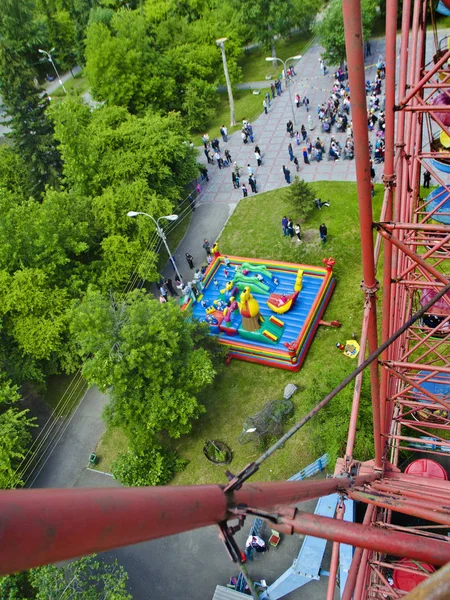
point(190, 260)
point(250, 170)
point(287, 174)
point(235, 180)
point(169, 285)
point(297, 231)
point(272, 89)
point(265, 106)
point(296, 163)
point(303, 130)
point(291, 152)
point(306, 103)
point(224, 133)
point(244, 190)
point(426, 179)
point(297, 100)
point(258, 157)
point(305, 156)
point(268, 99)
point(284, 224)
point(228, 156)
point(310, 123)
point(323, 231)
point(206, 246)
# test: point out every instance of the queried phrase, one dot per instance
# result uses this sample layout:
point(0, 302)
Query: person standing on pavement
point(169, 285)
point(303, 131)
point(305, 155)
point(287, 174)
point(252, 182)
point(268, 98)
point(323, 231)
point(244, 190)
point(235, 180)
point(291, 152)
point(310, 123)
point(297, 100)
point(297, 166)
point(190, 260)
point(272, 89)
point(206, 247)
point(306, 103)
point(163, 291)
point(224, 133)
point(258, 156)
point(228, 156)
point(250, 170)
point(265, 106)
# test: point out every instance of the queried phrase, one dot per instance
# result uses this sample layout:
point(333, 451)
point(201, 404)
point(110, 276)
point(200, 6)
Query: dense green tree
point(85, 578)
point(331, 28)
point(120, 61)
point(148, 465)
point(300, 195)
point(269, 19)
point(24, 103)
point(152, 358)
point(14, 175)
point(15, 436)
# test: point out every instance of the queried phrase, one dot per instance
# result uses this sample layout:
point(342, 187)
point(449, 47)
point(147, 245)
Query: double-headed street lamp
point(50, 59)
point(297, 57)
point(161, 234)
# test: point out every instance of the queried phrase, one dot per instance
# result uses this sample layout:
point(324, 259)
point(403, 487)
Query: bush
point(146, 466)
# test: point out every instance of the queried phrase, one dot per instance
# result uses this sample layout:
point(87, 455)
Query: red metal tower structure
point(406, 515)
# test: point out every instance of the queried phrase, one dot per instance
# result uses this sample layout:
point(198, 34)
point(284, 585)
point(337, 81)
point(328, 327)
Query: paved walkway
point(219, 199)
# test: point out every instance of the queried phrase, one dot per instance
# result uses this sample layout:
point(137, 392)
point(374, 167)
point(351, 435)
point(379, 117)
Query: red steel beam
point(43, 526)
point(372, 538)
point(389, 174)
point(424, 79)
point(355, 58)
point(404, 506)
point(358, 557)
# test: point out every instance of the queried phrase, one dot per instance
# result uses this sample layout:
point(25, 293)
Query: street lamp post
point(50, 59)
point(221, 43)
point(161, 233)
point(297, 57)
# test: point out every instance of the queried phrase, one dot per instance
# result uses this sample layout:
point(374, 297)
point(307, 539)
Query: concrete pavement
point(63, 463)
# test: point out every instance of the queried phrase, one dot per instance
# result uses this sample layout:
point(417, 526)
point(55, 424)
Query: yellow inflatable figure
point(249, 309)
point(299, 281)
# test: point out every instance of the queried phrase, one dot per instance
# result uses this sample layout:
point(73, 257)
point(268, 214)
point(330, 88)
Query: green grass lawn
point(256, 68)
point(246, 106)
point(64, 392)
point(78, 83)
point(112, 443)
point(243, 388)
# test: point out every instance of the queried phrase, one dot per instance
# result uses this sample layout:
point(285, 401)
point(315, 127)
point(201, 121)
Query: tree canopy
point(152, 358)
point(331, 28)
point(86, 578)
